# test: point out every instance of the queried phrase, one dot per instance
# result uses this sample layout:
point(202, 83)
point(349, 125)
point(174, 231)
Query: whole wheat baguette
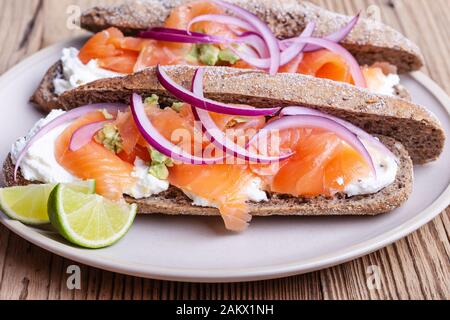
point(414, 126)
point(174, 202)
point(371, 41)
point(46, 99)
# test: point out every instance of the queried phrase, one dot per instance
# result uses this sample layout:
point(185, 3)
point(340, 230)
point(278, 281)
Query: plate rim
point(239, 274)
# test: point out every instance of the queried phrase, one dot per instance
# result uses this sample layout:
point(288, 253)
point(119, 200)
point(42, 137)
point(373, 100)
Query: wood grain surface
point(416, 267)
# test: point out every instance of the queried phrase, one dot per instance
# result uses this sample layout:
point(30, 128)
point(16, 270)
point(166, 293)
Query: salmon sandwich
point(287, 36)
point(186, 140)
point(235, 109)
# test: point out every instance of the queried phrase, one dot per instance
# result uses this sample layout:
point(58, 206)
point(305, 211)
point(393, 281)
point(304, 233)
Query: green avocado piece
point(209, 54)
point(192, 56)
point(159, 170)
point(110, 138)
point(177, 106)
point(153, 99)
point(227, 55)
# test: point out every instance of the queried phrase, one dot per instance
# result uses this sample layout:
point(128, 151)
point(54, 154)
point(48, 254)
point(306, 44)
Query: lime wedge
point(28, 204)
point(89, 220)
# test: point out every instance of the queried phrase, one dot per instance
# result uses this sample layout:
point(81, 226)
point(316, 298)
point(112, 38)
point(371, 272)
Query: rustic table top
point(415, 267)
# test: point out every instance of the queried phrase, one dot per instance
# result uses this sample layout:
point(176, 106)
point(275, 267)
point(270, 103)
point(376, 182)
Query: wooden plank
point(25, 18)
point(24, 269)
point(58, 15)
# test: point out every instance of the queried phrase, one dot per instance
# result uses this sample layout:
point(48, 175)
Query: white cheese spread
point(386, 168)
point(146, 184)
point(76, 73)
point(39, 163)
point(253, 190)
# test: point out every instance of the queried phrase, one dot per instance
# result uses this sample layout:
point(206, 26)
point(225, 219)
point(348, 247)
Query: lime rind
point(86, 220)
point(28, 204)
point(29, 207)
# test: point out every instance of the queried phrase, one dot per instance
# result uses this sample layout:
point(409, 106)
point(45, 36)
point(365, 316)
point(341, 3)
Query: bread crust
point(370, 41)
point(45, 97)
point(174, 202)
point(413, 125)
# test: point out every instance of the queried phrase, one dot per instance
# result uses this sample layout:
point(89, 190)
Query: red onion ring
point(260, 63)
point(68, 116)
point(158, 141)
point(84, 134)
point(296, 110)
point(221, 18)
point(355, 69)
point(176, 35)
point(253, 39)
point(176, 31)
point(295, 49)
point(261, 28)
point(314, 122)
point(216, 136)
point(287, 55)
point(339, 35)
point(187, 96)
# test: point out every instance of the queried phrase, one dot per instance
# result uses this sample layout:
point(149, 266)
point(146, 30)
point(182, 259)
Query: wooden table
point(416, 267)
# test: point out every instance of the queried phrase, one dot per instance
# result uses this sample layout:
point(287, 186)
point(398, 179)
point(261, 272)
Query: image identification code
point(224, 309)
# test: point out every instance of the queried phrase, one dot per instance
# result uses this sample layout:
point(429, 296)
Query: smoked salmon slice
point(221, 184)
point(325, 64)
point(93, 161)
point(118, 53)
point(112, 50)
point(323, 164)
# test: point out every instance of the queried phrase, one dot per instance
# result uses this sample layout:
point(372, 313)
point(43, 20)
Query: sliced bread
point(370, 41)
point(413, 125)
point(175, 202)
point(46, 99)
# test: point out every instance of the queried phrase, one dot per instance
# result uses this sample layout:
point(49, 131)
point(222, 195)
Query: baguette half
point(175, 202)
point(412, 125)
point(46, 99)
point(370, 41)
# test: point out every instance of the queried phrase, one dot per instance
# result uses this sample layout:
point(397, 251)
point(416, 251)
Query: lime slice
point(28, 204)
point(89, 220)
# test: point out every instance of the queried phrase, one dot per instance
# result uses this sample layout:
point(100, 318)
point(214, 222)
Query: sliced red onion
point(176, 31)
point(221, 18)
point(176, 35)
point(295, 110)
point(158, 141)
point(355, 69)
point(84, 134)
point(318, 122)
point(65, 117)
point(260, 63)
point(253, 39)
point(185, 95)
point(248, 50)
point(296, 48)
point(261, 28)
point(217, 137)
point(337, 36)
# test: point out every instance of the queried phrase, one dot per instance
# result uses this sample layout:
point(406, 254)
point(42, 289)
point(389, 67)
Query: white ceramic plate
point(198, 248)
